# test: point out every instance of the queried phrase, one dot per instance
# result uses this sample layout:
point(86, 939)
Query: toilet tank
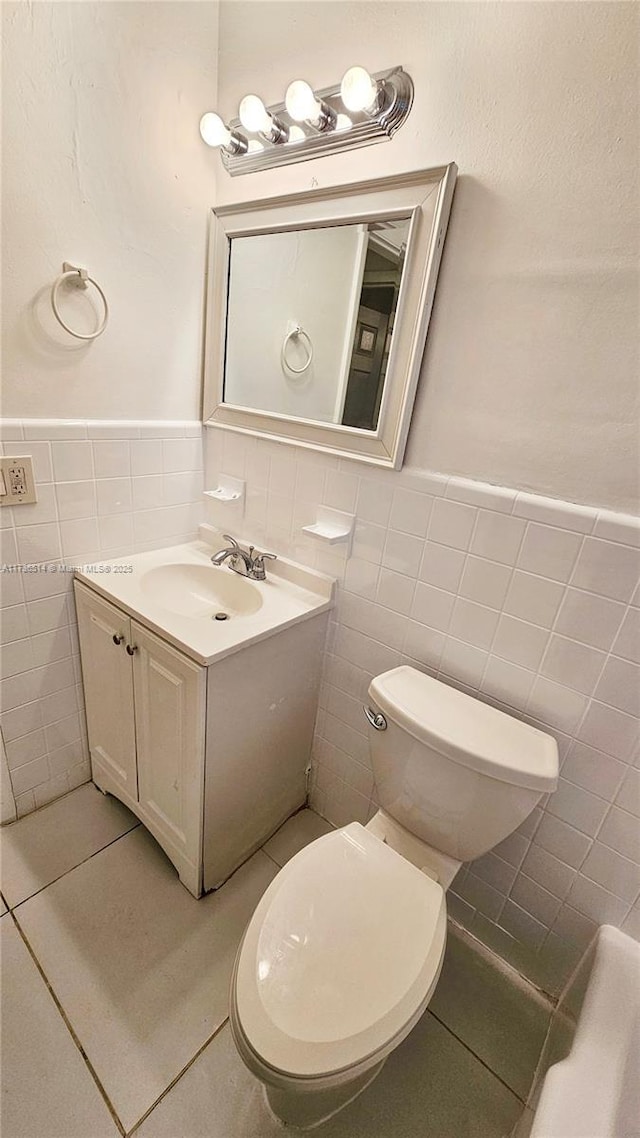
point(452, 770)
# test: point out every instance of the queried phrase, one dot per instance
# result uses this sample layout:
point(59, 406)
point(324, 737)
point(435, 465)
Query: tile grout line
point(176, 1079)
point(69, 1026)
point(84, 861)
point(478, 1058)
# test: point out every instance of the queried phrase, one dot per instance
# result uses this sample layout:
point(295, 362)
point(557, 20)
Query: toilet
point(344, 951)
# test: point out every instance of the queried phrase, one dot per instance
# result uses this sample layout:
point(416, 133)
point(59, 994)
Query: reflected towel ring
point(297, 331)
point(82, 280)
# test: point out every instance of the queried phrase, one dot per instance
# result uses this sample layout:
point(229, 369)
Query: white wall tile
point(556, 704)
point(606, 568)
point(452, 523)
point(520, 642)
point(368, 542)
point(76, 500)
point(16, 657)
point(410, 512)
point(627, 642)
point(621, 832)
point(72, 461)
point(615, 873)
point(374, 501)
point(572, 664)
point(38, 543)
point(555, 875)
point(473, 623)
point(114, 495)
point(461, 661)
point(111, 459)
point(507, 682)
point(549, 552)
point(595, 902)
point(146, 457)
point(485, 582)
point(609, 730)
point(15, 625)
point(562, 839)
point(533, 598)
point(361, 577)
point(593, 770)
point(432, 606)
point(395, 591)
point(589, 618)
point(424, 645)
point(442, 566)
point(628, 797)
point(619, 685)
point(582, 810)
point(498, 538)
point(403, 553)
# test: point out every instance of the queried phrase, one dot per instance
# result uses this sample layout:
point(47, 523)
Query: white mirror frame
point(425, 196)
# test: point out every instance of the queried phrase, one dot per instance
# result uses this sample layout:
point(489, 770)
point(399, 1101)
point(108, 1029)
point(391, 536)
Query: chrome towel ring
point(82, 280)
point(297, 332)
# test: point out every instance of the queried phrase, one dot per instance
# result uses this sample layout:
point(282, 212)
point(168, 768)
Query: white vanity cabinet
point(211, 759)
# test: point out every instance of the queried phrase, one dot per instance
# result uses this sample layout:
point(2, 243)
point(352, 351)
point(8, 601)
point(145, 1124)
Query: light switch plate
point(17, 483)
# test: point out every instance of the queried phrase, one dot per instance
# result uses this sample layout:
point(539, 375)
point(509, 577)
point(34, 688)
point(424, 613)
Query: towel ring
point(82, 280)
point(297, 331)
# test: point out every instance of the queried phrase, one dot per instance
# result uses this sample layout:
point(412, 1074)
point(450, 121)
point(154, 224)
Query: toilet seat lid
point(340, 955)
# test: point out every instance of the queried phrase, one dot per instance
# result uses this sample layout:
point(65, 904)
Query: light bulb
point(213, 130)
point(301, 102)
point(253, 114)
point(358, 91)
point(343, 122)
point(296, 134)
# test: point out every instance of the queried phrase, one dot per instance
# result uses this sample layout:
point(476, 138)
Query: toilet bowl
point(344, 951)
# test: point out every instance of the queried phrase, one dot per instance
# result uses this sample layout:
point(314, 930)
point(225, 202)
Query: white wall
point(280, 280)
point(530, 376)
point(104, 167)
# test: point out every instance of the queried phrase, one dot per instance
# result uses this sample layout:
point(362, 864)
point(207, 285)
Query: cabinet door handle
point(131, 648)
point(117, 639)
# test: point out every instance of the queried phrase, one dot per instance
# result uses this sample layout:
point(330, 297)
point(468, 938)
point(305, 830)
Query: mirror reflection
point(310, 318)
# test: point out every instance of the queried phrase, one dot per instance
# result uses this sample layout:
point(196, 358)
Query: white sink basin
point(177, 593)
point(200, 590)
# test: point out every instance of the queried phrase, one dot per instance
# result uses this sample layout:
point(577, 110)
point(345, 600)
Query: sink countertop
point(290, 594)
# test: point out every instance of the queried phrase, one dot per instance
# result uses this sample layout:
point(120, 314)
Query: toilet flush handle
point(376, 719)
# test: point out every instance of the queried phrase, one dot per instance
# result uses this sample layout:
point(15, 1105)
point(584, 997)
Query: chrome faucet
point(248, 563)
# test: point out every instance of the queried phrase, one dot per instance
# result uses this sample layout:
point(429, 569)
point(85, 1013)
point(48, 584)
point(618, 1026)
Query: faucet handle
point(257, 564)
point(228, 537)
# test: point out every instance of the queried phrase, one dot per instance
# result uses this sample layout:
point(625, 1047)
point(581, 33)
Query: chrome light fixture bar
point(364, 109)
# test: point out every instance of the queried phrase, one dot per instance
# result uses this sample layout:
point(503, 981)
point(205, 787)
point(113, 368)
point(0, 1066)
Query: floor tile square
point(500, 1017)
point(431, 1087)
point(38, 849)
point(140, 967)
point(46, 1087)
point(296, 833)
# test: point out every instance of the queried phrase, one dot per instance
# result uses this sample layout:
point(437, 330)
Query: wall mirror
point(318, 309)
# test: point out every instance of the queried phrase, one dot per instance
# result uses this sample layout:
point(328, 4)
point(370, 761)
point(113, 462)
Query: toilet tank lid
point(466, 730)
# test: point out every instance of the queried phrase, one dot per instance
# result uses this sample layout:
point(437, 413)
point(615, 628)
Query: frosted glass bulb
point(358, 90)
point(301, 102)
point(253, 114)
point(213, 130)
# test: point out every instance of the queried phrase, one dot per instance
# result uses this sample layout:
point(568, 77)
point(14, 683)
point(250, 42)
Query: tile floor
point(115, 997)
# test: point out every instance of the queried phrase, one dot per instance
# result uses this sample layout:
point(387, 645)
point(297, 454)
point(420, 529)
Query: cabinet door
point(170, 712)
point(107, 674)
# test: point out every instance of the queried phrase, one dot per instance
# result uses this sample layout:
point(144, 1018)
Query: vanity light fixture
point(364, 109)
